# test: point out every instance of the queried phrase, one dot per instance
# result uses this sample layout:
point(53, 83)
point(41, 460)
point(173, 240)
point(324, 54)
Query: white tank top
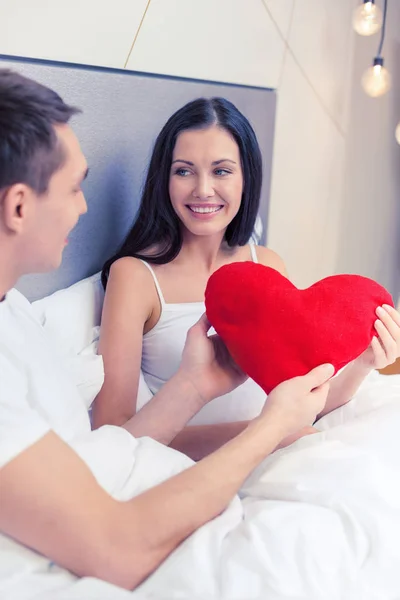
point(162, 352)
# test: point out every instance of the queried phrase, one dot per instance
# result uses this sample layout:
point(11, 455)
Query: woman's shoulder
point(269, 258)
point(132, 263)
point(130, 288)
point(127, 265)
point(130, 274)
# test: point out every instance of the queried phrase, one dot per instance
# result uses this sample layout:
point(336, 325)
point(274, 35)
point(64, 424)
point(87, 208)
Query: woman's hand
point(207, 363)
point(385, 348)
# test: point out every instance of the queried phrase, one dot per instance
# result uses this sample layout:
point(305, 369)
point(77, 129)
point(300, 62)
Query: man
point(51, 497)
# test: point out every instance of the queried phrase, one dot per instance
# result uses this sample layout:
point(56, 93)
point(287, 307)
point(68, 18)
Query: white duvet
point(319, 520)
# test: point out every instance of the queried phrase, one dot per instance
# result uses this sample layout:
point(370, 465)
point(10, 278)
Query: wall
point(302, 48)
point(370, 220)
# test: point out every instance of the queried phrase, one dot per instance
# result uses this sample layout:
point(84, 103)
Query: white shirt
point(38, 395)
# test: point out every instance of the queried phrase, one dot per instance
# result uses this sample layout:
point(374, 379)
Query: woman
point(198, 210)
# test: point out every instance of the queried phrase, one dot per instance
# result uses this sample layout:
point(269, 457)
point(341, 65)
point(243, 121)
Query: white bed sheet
point(319, 520)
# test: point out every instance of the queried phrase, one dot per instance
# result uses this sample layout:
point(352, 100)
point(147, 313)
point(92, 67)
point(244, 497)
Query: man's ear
point(16, 204)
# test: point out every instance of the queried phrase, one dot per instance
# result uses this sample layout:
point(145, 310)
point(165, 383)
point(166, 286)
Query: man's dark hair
point(30, 151)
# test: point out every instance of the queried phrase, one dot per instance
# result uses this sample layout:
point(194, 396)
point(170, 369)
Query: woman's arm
point(128, 307)
point(129, 303)
point(197, 441)
point(382, 351)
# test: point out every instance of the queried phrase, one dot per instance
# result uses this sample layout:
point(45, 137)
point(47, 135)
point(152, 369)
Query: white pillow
point(71, 318)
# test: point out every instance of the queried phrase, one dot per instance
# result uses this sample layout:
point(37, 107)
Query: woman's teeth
point(205, 209)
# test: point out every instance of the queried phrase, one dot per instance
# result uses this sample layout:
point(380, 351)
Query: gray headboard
point(122, 114)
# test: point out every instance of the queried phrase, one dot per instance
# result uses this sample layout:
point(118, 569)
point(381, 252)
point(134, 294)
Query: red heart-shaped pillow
point(276, 331)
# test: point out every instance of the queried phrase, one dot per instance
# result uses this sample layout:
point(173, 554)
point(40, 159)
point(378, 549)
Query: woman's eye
point(222, 172)
point(182, 172)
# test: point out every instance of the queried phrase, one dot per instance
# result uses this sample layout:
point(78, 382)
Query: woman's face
point(206, 180)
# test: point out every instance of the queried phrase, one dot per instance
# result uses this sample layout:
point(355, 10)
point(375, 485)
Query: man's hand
point(385, 348)
point(207, 364)
point(295, 403)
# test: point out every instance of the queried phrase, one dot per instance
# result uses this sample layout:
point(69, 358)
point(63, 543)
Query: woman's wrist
point(359, 368)
point(189, 388)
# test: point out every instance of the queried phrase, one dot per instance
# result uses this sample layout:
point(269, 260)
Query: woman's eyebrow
point(217, 162)
point(187, 162)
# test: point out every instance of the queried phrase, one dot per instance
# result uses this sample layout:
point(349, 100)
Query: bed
point(319, 520)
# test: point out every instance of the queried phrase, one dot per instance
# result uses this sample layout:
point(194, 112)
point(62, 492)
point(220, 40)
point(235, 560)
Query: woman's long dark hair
point(156, 223)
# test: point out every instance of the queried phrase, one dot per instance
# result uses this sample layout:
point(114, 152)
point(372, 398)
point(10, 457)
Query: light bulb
point(376, 80)
point(367, 18)
point(397, 133)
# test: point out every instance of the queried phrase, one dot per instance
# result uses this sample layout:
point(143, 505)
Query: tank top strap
point(253, 252)
point(158, 288)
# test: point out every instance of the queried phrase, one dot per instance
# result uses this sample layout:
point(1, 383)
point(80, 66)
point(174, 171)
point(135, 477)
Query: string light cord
point(383, 29)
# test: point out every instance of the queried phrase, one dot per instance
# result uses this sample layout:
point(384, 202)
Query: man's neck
point(8, 279)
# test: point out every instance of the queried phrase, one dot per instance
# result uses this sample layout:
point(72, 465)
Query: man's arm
point(51, 502)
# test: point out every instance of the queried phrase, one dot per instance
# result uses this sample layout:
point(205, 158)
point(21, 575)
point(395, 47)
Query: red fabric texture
point(275, 331)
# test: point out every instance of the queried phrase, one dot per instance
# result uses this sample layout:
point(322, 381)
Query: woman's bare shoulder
point(127, 265)
point(129, 275)
point(269, 258)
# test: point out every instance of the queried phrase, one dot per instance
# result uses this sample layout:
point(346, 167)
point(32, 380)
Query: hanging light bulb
point(367, 18)
point(376, 80)
point(397, 133)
